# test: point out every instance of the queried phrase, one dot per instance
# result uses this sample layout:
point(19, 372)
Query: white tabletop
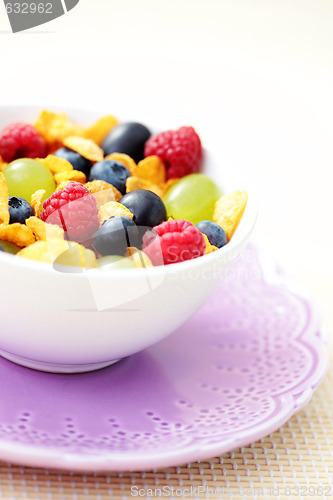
point(258, 75)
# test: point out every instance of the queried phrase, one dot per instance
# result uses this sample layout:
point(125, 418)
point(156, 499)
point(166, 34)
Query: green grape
point(9, 247)
point(25, 176)
point(192, 198)
point(76, 256)
point(111, 262)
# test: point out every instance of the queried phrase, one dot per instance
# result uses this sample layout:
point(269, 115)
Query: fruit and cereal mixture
point(109, 196)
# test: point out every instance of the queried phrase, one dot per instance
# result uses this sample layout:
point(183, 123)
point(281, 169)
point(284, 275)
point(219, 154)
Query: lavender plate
point(235, 372)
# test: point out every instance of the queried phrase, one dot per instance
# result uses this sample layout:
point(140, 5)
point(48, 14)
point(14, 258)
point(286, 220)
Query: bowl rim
point(46, 268)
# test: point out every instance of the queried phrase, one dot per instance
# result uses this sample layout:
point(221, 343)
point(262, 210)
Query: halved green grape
point(25, 176)
point(75, 256)
point(9, 247)
point(192, 198)
point(111, 262)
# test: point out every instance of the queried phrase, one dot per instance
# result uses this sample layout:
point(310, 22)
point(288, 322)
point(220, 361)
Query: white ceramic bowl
point(62, 322)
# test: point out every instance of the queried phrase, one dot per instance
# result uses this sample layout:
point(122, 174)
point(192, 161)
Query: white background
point(256, 76)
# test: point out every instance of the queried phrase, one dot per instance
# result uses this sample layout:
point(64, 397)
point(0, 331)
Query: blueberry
point(128, 138)
point(110, 171)
point(147, 207)
point(78, 161)
point(19, 210)
point(1, 249)
point(215, 234)
point(115, 235)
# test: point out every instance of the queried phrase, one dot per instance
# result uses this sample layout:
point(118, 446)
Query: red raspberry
point(74, 209)
point(173, 241)
point(21, 140)
point(180, 150)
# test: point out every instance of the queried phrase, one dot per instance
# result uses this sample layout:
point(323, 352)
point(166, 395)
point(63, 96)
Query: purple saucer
point(235, 372)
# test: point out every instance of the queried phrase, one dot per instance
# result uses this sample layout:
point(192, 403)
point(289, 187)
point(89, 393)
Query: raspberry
point(180, 150)
point(21, 140)
point(75, 210)
point(173, 241)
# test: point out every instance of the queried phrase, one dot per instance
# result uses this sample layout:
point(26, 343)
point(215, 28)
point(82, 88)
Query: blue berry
point(147, 207)
point(110, 171)
point(19, 210)
point(128, 138)
point(215, 234)
point(78, 161)
point(115, 235)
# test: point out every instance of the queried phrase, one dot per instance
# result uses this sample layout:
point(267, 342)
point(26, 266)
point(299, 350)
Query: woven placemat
point(295, 461)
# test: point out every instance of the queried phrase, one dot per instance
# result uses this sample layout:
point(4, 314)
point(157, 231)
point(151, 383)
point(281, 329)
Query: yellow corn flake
point(20, 234)
point(105, 196)
point(3, 164)
point(126, 160)
point(4, 210)
point(113, 209)
point(96, 186)
point(73, 175)
point(56, 165)
point(36, 201)
point(209, 247)
point(103, 192)
point(99, 130)
point(85, 147)
point(51, 251)
point(56, 127)
point(168, 185)
point(62, 185)
point(229, 210)
point(151, 169)
point(44, 231)
point(44, 251)
point(134, 183)
point(139, 258)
